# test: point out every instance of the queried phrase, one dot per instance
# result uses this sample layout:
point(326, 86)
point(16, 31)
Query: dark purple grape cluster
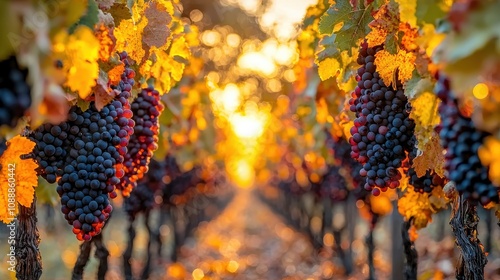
point(142, 197)
point(146, 109)
point(462, 140)
point(181, 184)
point(382, 128)
point(333, 185)
point(84, 155)
point(425, 183)
point(15, 93)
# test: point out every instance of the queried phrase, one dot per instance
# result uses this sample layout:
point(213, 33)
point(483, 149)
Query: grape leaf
point(120, 12)
point(128, 38)
point(432, 158)
point(114, 74)
point(417, 85)
point(407, 10)
point(105, 4)
point(387, 64)
point(107, 41)
point(354, 21)
point(24, 174)
point(90, 18)
point(488, 155)
point(156, 32)
point(420, 206)
point(384, 27)
point(102, 91)
point(79, 53)
point(429, 11)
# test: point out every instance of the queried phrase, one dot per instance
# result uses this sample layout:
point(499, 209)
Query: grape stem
point(127, 255)
point(371, 246)
point(147, 267)
point(82, 260)
point(411, 254)
point(29, 260)
point(464, 221)
point(101, 253)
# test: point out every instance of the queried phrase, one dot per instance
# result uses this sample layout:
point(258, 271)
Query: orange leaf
point(114, 75)
point(19, 174)
point(431, 159)
point(107, 41)
point(386, 21)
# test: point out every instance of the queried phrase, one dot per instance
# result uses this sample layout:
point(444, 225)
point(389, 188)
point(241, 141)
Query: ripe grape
point(80, 155)
point(382, 129)
point(462, 140)
point(15, 93)
point(142, 197)
point(333, 185)
point(143, 142)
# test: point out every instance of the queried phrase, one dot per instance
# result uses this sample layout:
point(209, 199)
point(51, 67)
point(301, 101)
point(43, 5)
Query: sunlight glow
point(247, 126)
point(480, 91)
point(258, 62)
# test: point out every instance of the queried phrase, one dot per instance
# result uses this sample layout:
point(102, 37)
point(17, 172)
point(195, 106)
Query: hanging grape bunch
point(333, 185)
point(142, 197)
point(462, 140)
point(15, 93)
point(382, 128)
point(84, 155)
point(146, 109)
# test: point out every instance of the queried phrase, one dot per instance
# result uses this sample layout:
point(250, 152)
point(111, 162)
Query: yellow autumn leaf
point(16, 174)
point(487, 152)
point(432, 158)
point(387, 64)
point(421, 206)
point(425, 114)
point(128, 38)
point(79, 53)
point(328, 68)
point(407, 9)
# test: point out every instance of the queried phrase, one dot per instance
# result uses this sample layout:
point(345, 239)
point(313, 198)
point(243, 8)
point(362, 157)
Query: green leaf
point(354, 22)
point(429, 11)
point(84, 105)
point(90, 18)
point(328, 58)
point(46, 192)
point(417, 85)
point(120, 12)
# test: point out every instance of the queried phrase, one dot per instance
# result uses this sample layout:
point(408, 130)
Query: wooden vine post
point(29, 259)
point(411, 253)
point(464, 221)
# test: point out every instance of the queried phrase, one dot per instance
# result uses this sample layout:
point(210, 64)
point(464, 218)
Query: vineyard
point(249, 139)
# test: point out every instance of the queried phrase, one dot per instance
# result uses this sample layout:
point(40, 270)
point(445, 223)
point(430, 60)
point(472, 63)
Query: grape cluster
point(146, 109)
point(333, 185)
point(142, 197)
point(341, 150)
point(462, 140)
point(425, 183)
point(182, 183)
point(84, 155)
point(15, 93)
point(382, 128)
